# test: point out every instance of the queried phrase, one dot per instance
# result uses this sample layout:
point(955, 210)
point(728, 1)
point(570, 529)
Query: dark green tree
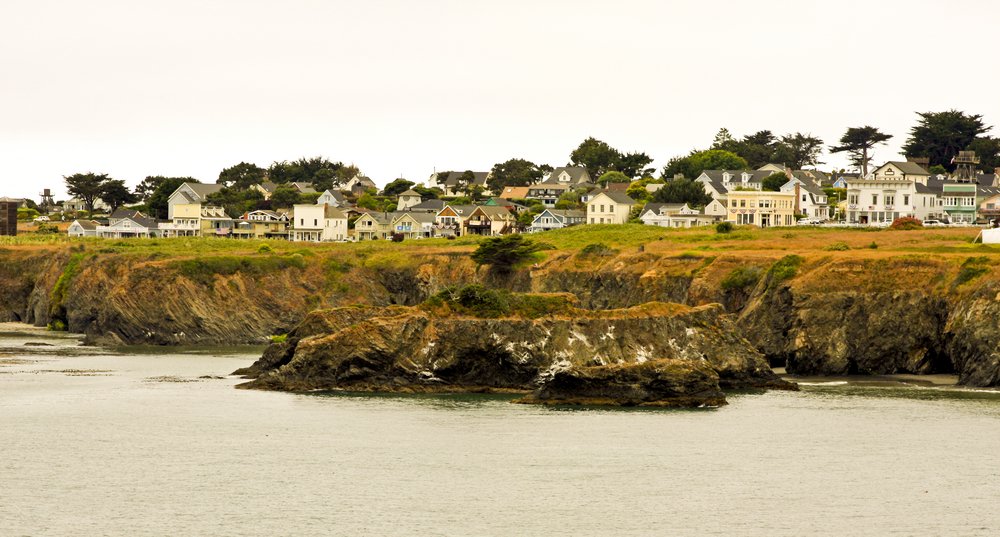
point(798, 150)
point(165, 186)
point(724, 140)
point(595, 155)
point(464, 181)
point(939, 136)
point(86, 186)
point(428, 193)
point(397, 187)
point(506, 253)
point(613, 177)
point(635, 165)
point(317, 171)
point(242, 176)
point(858, 142)
point(988, 150)
point(774, 181)
point(513, 172)
point(236, 202)
point(285, 197)
point(115, 194)
point(758, 148)
point(683, 191)
point(696, 162)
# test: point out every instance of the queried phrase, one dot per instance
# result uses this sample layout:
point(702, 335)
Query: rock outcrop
point(411, 349)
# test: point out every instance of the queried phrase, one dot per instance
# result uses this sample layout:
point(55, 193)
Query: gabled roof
point(514, 192)
point(616, 196)
point(566, 213)
point(660, 208)
point(423, 218)
point(330, 211)
point(411, 193)
point(268, 186)
point(493, 212)
point(380, 218)
point(716, 178)
point(909, 168)
point(305, 188)
point(577, 174)
point(434, 205)
point(204, 189)
point(89, 225)
point(462, 210)
point(126, 213)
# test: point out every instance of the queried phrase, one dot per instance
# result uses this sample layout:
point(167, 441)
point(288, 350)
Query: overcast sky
point(134, 88)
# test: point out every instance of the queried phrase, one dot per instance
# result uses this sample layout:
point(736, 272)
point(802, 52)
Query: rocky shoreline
point(654, 354)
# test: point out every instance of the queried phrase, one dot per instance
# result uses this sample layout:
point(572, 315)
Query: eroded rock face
point(663, 383)
point(974, 338)
point(409, 349)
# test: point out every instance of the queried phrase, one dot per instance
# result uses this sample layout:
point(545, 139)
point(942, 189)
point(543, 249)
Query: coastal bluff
point(655, 354)
point(815, 302)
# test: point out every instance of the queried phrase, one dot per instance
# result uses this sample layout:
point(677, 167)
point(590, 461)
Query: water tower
point(965, 166)
point(47, 201)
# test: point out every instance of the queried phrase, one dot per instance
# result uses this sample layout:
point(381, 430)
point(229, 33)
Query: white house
point(189, 193)
point(130, 227)
point(83, 228)
point(331, 198)
point(556, 219)
point(408, 199)
point(678, 215)
point(890, 192)
point(609, 207)
point(812, 199)
point(318, 223)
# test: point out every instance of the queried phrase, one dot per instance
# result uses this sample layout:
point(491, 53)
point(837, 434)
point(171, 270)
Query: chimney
point(797, 198)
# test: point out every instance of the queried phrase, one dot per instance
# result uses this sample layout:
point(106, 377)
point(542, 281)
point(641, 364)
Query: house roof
point(126, 213)
point(381, 218)
point(716, 177)
point(268, 186)
point(567, 213)
point(410, 193)
point(89, 225)
point(428, 205)
point(618, 187)
point(494, 211)
point(514, 192)
point(577, 174)
point(660, 208)
point(462, 210)
point(616, 196)
point(305, 188)
point(909, 168)
point(423, 218)
point(204, 189)
point(330, 211)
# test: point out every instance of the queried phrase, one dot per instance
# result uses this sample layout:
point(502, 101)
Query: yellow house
point(761, 208)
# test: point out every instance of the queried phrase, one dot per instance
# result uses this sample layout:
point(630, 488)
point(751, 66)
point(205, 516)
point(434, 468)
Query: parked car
point(933, 223)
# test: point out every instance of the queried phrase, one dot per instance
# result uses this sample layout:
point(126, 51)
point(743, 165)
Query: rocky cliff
point(695, 352)
point(833, 313)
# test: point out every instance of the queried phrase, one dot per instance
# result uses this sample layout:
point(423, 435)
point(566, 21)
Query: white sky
point(182, 87)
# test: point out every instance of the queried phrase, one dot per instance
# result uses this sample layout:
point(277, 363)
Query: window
point(602, 210)
point(315, 222)
point(906, 199)
point(874, 199)
point(890, 200)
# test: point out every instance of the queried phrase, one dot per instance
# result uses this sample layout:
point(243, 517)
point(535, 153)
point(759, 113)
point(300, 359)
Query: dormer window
point(746, 177)
point(726, 176)
point(890, 172)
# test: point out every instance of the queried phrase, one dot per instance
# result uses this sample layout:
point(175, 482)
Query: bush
point(837, 247)
point(203, 270)
point(906, 223)
point(741, 278)
point(873, 246)
point(971, 269)
point(506, 253)
point(265, 249)
point(397, 237)
point(597, 249)
point(724, 227)
point(783, 269)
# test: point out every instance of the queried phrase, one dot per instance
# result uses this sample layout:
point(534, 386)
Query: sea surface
point(158, 442)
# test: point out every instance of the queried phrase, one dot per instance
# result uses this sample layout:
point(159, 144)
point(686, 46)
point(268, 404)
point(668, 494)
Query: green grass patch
point(58, 294)
point(203, 270)
point(971, 269)
point(741, 279)
point(479, 301)
point(597, 249)
point(783, 269)
point(837, 247)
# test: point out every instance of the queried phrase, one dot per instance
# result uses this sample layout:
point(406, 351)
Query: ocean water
point(136, 443)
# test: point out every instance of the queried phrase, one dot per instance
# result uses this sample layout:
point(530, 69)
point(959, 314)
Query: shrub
point(741, 278)
point(203, 270)
point(265, 249)
point(837, 247)
point(397, 237)
point(280, 338)
point(873, 246)
point(971, 269)
point(506, 253)
point(906, 223)
point(724, 227)
point(783, 269)
point(597, 249)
